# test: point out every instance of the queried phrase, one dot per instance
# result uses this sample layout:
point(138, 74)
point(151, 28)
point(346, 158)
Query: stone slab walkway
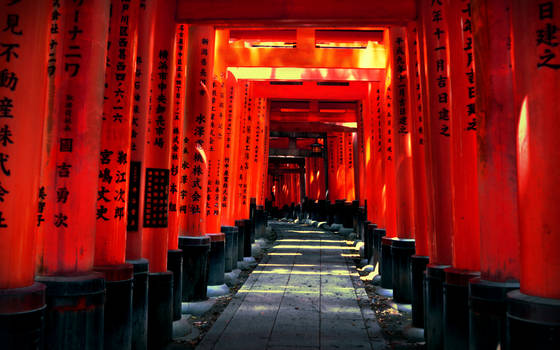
point(300, 296)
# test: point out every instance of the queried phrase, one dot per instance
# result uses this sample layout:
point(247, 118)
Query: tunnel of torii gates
point(144, 143)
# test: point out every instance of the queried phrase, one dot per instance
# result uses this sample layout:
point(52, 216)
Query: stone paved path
point(301, 296)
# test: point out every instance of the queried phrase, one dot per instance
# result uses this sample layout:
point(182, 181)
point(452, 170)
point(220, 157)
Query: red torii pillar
point(265, 151)
point(378, 156)
point(157, 164)
point(497, 174)
point(259, 160)
point(174, 254)
point(110, 236)
point(215, 155)
point(438, 129)
point(466, 241)
point(368, 128)
point(332, 151)
point(534, 311)
point(377, 174)
point(388, 190)
point(241, 205)
point(349, 166)
point(75, 301)
point(229, 179)
point(136, 178)
point(363, 116)
point(252, 178)
point(402, 248)
point(420, 260)
point(193, 239)
point(22, 104)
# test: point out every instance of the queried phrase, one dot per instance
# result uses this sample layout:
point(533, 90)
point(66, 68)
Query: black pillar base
point(175, 265)
point(338, 211)
point(195, 267)
point(160, 309)
point(433, 322)
point(386, 266)
point(401, 251)
point(247, 232)
point(417, 268)
point(322, 210)
point(139, 304)
point(118, 306)
point(487, 313)
point(456, 308)
point(231, 247)
point(22, 315)
point(260, 222)
point(240, 224)
point(378, 234)
point(349, 209)
point(368, 243)
point(75, 309)
point(532, 322)
point(216, 259)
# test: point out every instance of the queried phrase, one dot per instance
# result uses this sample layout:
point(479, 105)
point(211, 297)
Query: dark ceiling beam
point(289, 152)
point(299, 135)
point(297, 12)
point(304, 127)
point(273, 160)
point(286, 171)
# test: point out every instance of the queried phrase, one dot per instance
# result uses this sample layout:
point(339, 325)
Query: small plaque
point(156, 197)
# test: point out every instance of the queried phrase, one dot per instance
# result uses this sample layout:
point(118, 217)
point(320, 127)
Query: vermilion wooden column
point(349, 167)
point(403, 247)
point(418, 113)
point(231, 140)
point(535, 309)
point(230, 130)
point(388, 191)
point(258, 153)
point(340, 166)
point(244, 149)
point(157, 154)
point(363, 112)
point(193, 240)
point(176, 173)
point(136, 178)
point(308, 175)
point(110, 237)
point(438, 130)
point(144, 55)
point(466, 242)
point(388, 139)
point(215, 153)
point(497, 171)
point(378, 156)
point(157, 163)
point(368, 128)
point(22, 102)
point(264, 173)
point(332, 159)
point(70, 175)
point(400, 124)
point(174, 254)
